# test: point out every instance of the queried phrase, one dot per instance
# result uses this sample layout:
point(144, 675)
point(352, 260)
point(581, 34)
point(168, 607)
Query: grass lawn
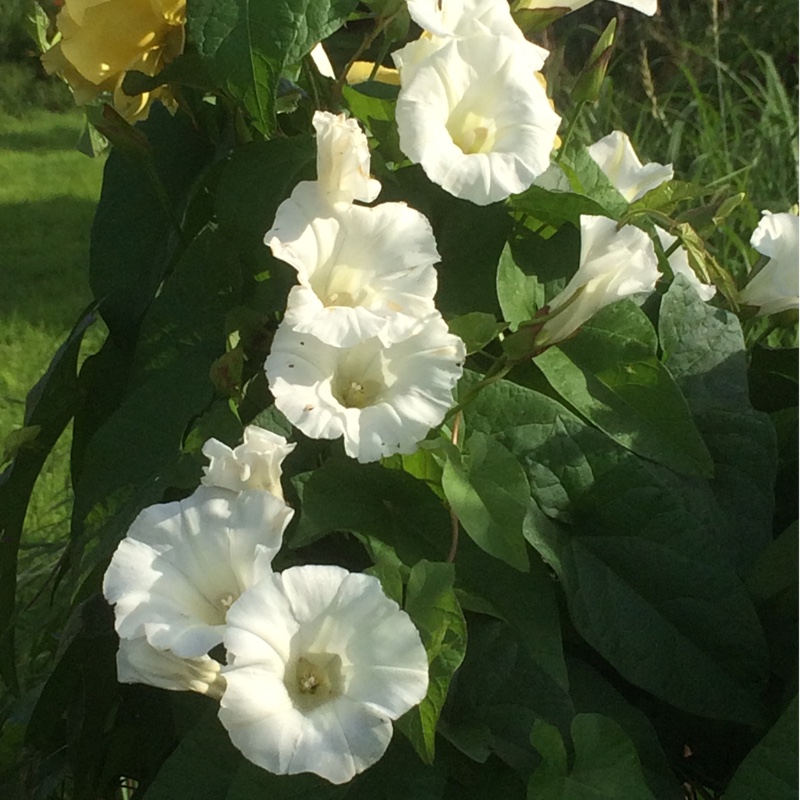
point(48, 192)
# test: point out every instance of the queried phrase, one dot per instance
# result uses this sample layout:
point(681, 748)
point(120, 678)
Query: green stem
point(570, 130)
point(381, 23)
point(164, 200)
point(500, 369)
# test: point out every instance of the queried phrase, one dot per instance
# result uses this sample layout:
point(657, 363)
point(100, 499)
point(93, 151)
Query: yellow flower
point(360, 72)
point(102, 39)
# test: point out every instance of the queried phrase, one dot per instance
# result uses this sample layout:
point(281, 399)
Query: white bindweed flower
point(476, 118)
point(382, 400)
point(613, 264)
point(322, 662)
point(254, 464)
point(614, 154)
point(775, 287)
point(181, 565)
point(447, 19)
point(648, 7)
point(679, 264)
point(363, 272)
point(343, 160)
point(140, 662)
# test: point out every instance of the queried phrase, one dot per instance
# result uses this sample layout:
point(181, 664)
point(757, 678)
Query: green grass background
point(48, 192)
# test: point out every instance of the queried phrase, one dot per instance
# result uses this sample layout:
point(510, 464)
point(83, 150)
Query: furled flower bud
point(614, 264)
point(775, 287)
point(254, 464)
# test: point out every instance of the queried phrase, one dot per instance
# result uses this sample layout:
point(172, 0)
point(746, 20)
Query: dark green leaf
point(475, 329)
point(255, 180)
point(133, 234)
point(582, 189)
point(593, 693)
point(202, 766)
point(469, 238)
point(518, 293)
point(49, 407)
point(488, 491)
point(640, 565)
point(606, 765)
point(499, 692)
point(434, 609)
point(250, 43)
point(388, 504)
point(169, 385)
point(610, 373)
point(770, 770)
point(527, 602)
point(667, 196)
point(704, 352)
point(555, 207)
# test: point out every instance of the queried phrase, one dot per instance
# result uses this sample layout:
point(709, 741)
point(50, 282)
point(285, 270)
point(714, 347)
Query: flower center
point(360, 378)
point(341, 285)
point(314, 679)
point(357, 394)
point(473, 133)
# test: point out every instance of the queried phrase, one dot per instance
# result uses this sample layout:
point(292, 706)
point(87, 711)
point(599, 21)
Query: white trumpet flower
point(614, 154)
point(775, 287)
point(140, 662)
point(613, 264)
point(463, 18)
point(254, 464)
point(648, 7)
point(475, 116)
point(322, 662)
point(363, 272)
point(176, 573)
point(382, 400)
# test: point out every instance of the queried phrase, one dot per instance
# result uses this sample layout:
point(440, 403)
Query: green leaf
point(488, 491)
point(667, 196)
point(704, 351)
point(475, 329)
point(606, 764)
point(133, 234)
point(533, 268)
point(512, 595)
point(586, 178)
point(646, 584)
point(609, 372)
point(202, 766)
point(48, 408)
point(432, 605)
point(583, 188)
point(255, 180)
point(775, 570)
point(499, 693)
point(518, 293)
point(373, 104)
point(770, 769)
point(593, 693)
point(250, 43)
point(772, 583)
point(169, 385)
point(390, 505)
